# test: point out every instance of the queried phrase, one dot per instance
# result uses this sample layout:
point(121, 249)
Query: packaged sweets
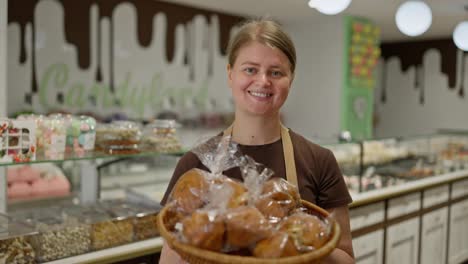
point(161, 136)
point(118, 137)
point(82, 133)
point(53, 132)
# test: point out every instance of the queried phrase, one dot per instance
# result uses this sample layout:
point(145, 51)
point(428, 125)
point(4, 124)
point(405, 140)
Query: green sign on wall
point(361, 55)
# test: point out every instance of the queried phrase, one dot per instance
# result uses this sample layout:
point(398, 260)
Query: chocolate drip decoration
point(33, 58)
point(77, 25)
point(98, 53)
point(411, 53)
point(383, 96)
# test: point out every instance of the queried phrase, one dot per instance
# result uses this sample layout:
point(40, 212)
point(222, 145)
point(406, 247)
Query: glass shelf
point(92, 155)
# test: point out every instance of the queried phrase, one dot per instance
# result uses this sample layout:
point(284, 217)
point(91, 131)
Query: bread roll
point(189, 193)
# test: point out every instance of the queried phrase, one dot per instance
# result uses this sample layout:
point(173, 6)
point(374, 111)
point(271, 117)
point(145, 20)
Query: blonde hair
point(265, 31)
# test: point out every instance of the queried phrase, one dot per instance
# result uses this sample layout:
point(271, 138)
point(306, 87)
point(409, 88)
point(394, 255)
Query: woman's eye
point(249, 70)
point(276, 74)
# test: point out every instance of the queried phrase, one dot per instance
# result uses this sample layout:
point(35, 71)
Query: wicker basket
point(196, 255)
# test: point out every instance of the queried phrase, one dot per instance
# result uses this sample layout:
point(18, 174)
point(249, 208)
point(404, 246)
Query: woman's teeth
point(264, 95)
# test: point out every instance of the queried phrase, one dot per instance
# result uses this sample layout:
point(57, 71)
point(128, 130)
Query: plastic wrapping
point(106, 230)
point(278, 199)
point(81, 134)
point(308, 232)
point(15, 247)
point(190, 191)
point(54, 132)
point(204, 229)
point(210, 211)
point(57, 237)
point(118, 137)
point(279, 244)
point(161, 136)
point(245, 226)
point(218, 154)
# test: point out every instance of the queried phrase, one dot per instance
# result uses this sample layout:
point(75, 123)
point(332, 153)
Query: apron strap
point(288, 152)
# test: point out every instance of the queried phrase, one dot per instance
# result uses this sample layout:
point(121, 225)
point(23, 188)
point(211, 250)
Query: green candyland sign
point(360, 59)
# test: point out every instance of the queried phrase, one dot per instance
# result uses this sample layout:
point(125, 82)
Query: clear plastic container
point(53, 132)
point(144, 217)
point(106, 231)
point(161, 136)
point(15, 246)
point(82, 134)
point(119, 137)
point(58, 237)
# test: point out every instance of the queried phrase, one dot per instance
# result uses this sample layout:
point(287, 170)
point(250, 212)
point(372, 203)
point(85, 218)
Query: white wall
point(403, 115)
point(3, 56)
point(313, 106)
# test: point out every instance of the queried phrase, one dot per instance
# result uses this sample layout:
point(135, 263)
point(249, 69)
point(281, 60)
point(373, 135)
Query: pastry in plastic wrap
point(190, 190)
point(239, 195)
point(204, 229)
point(277, 245)
point(278, 199)
point(307, 231)
point(245, 226)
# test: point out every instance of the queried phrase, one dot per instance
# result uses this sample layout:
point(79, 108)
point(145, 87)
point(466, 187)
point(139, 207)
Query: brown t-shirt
point(319, 177)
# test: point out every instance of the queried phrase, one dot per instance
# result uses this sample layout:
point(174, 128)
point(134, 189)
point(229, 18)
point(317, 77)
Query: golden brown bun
point(189, 193)
point(276, 246)
point(173, 216)
point(239, 196)
point(276, 185)
point(278, 199)
point(203, 233)
point(306, 230)
point(245, 226)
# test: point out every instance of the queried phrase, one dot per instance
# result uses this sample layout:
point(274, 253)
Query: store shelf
point(91, 155)
point(110, 255)
point(368, 197)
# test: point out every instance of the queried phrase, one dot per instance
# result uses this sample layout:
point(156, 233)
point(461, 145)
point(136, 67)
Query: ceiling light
point(413, 18)
point(329, 7)
point(460, 35)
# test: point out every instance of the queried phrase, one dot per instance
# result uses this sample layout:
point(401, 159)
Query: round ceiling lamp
point(413, 18)
point(460, 35)
point(329, 7)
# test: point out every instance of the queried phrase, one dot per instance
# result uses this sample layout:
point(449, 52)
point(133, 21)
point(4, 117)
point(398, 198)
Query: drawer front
point(459, 189)
point(367, 215)
point(435, 196)
point(369, 248)
point(404, 205)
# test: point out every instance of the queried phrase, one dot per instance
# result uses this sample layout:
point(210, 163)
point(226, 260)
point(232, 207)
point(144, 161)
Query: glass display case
point(379, 163)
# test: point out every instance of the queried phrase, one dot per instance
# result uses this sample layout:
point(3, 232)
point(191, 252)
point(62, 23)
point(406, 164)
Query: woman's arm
point(169, 256)
point(344, 250)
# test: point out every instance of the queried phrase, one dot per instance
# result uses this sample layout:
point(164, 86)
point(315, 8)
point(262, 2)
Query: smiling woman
point(261, 65)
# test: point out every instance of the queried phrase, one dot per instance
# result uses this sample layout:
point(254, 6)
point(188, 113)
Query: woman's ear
point(229, 73)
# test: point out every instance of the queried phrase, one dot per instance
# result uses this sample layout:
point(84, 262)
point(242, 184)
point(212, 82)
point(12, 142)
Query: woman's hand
point(169, 256)
point(343, 253)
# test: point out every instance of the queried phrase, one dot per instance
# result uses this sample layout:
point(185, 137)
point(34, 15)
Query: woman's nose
point(263, 79)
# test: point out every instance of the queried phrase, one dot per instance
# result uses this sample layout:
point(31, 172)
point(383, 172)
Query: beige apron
point(288, 152)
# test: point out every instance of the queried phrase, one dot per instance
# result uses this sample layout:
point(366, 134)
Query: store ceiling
point(446, 13)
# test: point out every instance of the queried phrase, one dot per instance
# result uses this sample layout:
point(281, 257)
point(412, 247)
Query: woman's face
point(260, 79)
